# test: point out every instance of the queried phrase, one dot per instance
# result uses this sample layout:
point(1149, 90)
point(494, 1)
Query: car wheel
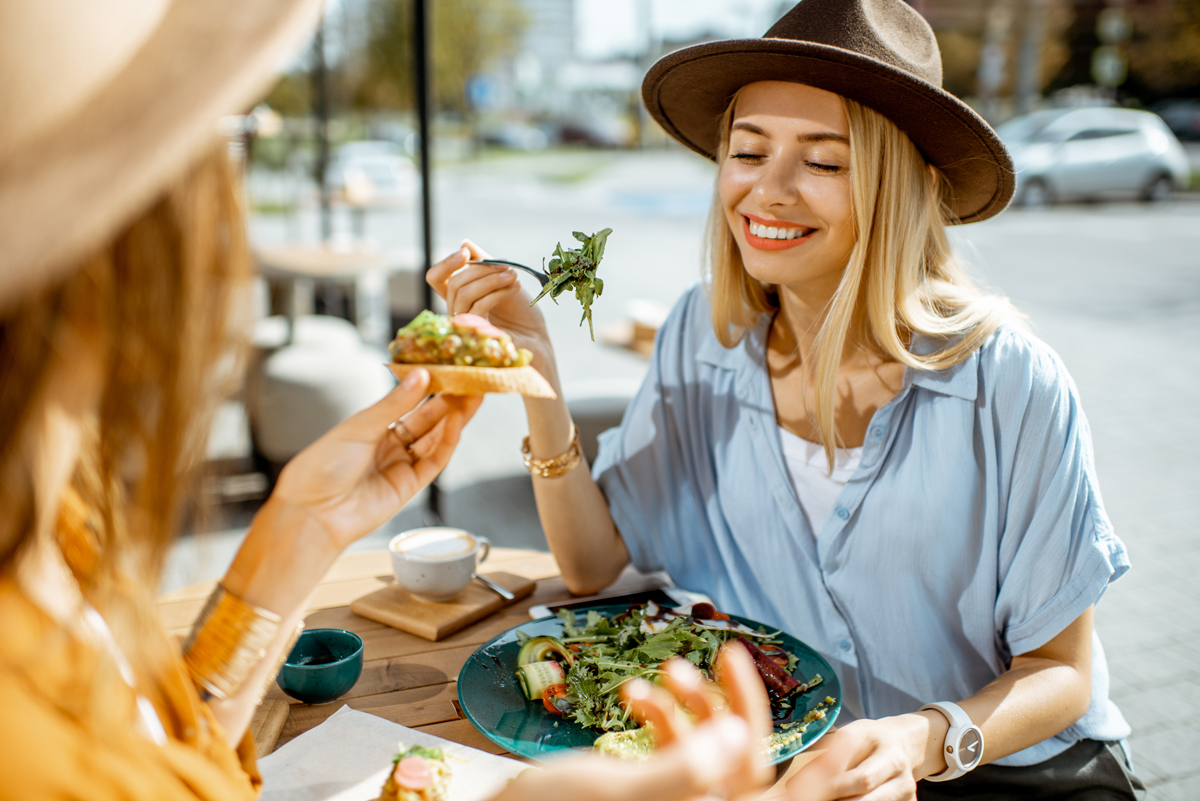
point(1036, 194)
point(1158, 190)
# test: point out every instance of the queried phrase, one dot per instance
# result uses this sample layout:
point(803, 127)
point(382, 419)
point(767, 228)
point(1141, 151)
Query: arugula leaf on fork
point(576, 269)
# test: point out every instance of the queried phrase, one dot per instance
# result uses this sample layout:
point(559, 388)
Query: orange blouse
point(59, 739)
point(69, 726)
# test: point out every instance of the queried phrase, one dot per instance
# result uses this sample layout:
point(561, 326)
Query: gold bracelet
point(560, 465)
point(227, 642)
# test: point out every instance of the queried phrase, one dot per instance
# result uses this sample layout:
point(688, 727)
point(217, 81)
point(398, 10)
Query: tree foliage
point(467, 37)
point(1163, 52)
point(1164, 56)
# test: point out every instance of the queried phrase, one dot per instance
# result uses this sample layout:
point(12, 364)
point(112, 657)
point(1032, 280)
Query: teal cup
point(323, 666)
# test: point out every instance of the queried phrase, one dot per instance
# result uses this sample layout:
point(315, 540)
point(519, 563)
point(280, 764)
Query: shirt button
point(878, 432)
point(842, 513)
point(845, 644)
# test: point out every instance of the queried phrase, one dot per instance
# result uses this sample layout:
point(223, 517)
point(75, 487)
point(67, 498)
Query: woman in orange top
point(121, 248)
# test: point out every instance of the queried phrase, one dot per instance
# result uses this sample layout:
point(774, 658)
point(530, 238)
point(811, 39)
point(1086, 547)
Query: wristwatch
point(964, 742)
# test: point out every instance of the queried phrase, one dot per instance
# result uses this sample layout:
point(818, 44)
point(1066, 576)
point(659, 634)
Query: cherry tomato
point(555, 699)
point(775, 654)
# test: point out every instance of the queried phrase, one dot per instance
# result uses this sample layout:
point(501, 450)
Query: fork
point(542, 278)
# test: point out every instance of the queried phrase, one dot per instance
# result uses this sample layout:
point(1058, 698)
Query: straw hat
point(880, 53)
point(103, 104)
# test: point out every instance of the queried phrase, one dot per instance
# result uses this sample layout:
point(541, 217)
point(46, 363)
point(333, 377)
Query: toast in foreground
point(418, 774)
point(465, 355)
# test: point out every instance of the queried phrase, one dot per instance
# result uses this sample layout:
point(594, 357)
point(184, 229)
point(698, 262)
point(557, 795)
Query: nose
point(778, 183)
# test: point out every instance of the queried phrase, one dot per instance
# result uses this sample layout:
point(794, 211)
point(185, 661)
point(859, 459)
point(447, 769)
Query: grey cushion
point(301, 391)
point(316, 330)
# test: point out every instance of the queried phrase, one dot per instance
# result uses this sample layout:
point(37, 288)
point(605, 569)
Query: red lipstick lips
point(762, 243)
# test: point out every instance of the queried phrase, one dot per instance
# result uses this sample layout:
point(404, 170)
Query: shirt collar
point(752, 345)
point(959, 381)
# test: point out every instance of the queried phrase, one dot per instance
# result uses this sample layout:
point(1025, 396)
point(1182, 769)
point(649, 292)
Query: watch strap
point(960, 721)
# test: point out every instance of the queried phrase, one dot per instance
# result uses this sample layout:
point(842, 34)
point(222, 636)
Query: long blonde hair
point(159, 292)
point(902, 278)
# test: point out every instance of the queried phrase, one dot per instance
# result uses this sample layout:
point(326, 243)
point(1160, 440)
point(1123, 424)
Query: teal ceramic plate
point(488, 694)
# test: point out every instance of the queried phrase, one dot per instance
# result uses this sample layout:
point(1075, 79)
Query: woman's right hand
point(493, 292)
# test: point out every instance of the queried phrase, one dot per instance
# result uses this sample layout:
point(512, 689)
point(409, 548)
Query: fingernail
point(730, 732)
point(683, 673)
point(715, 746)
point(637, 690)
point(411, 381)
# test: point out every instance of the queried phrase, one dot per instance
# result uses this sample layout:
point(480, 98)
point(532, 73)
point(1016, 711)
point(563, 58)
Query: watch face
point(970, 748)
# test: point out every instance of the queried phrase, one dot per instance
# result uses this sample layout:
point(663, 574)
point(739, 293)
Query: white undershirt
point(808, 468)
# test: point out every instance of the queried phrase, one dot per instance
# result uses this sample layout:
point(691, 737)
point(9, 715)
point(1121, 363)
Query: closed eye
point(825, 168)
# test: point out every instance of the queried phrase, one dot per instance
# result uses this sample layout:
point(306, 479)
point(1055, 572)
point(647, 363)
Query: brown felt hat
point(880, 53)
point(105, 103)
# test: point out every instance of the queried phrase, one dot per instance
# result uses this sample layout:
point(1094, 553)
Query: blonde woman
point(841, 435)
point(122, 249)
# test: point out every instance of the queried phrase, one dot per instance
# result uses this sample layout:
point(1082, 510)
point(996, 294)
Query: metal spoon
point(487, 582)
point(538, 274)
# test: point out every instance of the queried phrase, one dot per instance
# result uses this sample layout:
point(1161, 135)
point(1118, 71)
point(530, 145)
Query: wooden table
point(299, 267)
point(405, 679)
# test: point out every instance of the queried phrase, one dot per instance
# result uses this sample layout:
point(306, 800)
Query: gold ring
point(406, 438)
point(402, 433)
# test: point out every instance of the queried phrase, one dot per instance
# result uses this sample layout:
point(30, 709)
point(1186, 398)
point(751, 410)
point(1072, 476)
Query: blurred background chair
point(311, 371)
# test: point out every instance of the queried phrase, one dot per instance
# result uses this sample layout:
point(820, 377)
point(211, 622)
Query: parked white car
point(1068, 154)
point(368, 173)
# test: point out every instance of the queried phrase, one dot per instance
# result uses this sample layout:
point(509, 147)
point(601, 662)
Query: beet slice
point(779, 682)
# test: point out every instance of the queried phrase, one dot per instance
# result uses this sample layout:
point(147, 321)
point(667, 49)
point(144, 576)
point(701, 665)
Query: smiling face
point(785, 185)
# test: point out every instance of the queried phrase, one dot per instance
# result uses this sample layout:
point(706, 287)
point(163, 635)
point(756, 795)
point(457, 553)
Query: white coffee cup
point(436, 564)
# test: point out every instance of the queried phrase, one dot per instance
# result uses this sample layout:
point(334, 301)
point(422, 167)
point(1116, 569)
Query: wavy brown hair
point(158, 297)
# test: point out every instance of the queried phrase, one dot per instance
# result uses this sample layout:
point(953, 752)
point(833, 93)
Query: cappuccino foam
point(437, 544)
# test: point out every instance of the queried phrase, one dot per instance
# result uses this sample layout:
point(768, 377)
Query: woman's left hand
point(871, 760)
point(344, 486)
point(362, 471)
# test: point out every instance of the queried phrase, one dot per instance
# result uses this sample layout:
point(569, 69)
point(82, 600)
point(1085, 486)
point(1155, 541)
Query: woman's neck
point(866, 380)
point(798, 321)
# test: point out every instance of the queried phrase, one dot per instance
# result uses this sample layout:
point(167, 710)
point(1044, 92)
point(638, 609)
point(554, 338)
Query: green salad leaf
point(576, 269)
point(613, 652)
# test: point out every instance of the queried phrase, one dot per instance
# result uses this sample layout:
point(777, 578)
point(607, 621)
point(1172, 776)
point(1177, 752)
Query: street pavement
point(1116, 291)
point(1114, 288)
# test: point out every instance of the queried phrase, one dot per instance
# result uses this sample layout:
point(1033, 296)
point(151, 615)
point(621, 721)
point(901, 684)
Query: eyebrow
point(821, 136)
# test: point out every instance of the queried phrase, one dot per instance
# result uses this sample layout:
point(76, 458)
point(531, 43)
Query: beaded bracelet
point(557, 466)
point(228, 640)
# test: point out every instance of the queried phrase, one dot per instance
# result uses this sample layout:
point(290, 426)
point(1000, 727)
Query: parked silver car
point(370, 172)
point(1065, 154)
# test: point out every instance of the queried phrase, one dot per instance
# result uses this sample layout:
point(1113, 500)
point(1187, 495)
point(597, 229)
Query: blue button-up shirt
point(971, 532)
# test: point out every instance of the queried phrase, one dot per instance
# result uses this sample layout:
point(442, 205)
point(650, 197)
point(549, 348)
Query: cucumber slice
point(539, 649)
point(535, 677)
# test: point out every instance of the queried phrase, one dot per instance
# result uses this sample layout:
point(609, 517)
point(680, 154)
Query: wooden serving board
point(267, 723)
point(394, 607)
